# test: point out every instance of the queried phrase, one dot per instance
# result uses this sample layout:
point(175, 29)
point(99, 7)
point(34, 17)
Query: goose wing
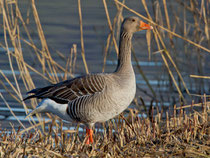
point(69, 90)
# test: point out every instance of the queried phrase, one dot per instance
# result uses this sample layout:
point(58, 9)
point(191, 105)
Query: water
point(60, 23)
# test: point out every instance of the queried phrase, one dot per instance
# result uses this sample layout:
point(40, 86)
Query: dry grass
point(181, 132)
point(131, 136)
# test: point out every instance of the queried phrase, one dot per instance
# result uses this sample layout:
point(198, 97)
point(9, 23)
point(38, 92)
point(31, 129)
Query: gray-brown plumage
point(69, 90)
point(95, 97)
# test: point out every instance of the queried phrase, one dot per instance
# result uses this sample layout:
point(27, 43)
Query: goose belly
point(112, 104)
point(103, 106)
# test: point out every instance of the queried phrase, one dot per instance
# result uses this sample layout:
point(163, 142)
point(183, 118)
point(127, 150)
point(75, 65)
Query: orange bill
point(144, 26)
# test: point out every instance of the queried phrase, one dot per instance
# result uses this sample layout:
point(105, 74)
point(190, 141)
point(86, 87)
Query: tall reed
point(180, 129)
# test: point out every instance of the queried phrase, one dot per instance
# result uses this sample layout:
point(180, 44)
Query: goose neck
point(124, 58)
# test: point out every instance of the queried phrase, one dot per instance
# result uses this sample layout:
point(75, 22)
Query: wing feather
point(69, 90)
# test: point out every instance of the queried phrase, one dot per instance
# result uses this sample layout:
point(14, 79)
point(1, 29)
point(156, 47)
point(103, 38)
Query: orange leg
point(89, 133)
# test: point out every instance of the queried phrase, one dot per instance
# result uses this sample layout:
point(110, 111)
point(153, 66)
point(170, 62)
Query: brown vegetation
point(181, 132)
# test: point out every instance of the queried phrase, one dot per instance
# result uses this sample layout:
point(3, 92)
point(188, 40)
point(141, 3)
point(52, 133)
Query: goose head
point(134, 24)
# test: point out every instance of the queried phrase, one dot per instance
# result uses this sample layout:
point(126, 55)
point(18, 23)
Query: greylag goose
point(94, 97)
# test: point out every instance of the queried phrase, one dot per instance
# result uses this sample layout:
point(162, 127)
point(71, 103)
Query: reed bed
point(178, 130)
point(178, 135)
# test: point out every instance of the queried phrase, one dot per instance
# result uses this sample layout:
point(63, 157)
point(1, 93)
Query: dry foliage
point(183, 131)
point(132, 136)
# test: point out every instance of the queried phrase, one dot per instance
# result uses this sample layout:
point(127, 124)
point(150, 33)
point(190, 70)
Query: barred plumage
point(69, 90)
point(94, 97)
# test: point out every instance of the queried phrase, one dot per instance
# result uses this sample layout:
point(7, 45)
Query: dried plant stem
point(6, 25)
point(181, 131)
point(173, 33)
point(11, 111)
point(81, 37)
point(110, 26)
point(167, 18)
point(164, 59)
point(111, 35)
point(45, 50)
point(52, 61)
point(142, 74)
point(197, 76)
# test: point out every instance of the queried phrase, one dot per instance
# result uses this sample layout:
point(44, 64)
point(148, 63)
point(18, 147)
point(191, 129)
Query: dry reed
point(126, 136)
point(181, 132)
